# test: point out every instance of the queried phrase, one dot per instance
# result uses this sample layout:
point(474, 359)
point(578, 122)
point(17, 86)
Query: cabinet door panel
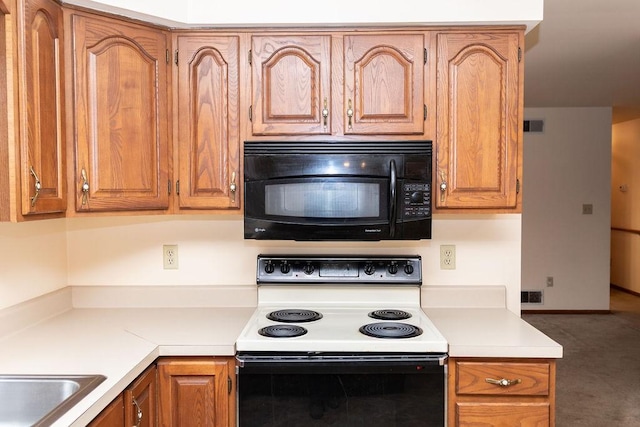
point(384, 80)
point(478, 96)
point(43, 161)
point(140, 400)
point(112, 415)
point(194, 392)
point(208, 122)
point(291, 77)
point(121, 115)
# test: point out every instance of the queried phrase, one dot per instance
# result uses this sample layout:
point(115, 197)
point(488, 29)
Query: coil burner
point(390, 330)
point(294, 316)
point(389, 314)
point(282, 331)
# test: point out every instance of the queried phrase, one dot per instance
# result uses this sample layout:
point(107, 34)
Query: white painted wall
point(33, 260)
point(566, 166)
point(290, 12)
point(625, 210)
point(128, 251)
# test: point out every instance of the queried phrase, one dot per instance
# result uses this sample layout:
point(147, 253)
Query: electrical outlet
point(447, 257)
point(170, 257)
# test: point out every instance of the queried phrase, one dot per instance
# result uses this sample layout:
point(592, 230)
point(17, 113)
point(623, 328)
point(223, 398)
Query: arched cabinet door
point(384, 80)
point(42, 105)
point(208, 122)
point(479, 137)
point(290, 84)
point(121, 115)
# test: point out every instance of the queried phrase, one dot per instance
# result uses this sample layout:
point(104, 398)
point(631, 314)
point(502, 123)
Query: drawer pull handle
point(503, 382)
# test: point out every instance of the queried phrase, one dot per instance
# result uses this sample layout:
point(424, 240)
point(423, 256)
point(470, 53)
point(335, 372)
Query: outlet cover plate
point(447, 257)
point(170, 257)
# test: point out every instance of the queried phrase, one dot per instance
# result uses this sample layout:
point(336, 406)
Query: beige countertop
point(90, 334)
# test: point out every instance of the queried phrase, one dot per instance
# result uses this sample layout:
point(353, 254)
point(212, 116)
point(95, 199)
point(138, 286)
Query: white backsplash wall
point(121, 251)
point(33, 260)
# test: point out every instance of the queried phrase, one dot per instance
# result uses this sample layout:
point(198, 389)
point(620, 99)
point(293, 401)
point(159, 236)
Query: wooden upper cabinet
point(121, 115)
point(290, 84)
point(384, 84)
point(208, 125)
point(42, 146)
point(479, 138)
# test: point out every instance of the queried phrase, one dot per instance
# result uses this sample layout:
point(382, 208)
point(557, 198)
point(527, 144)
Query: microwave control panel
point(416, 200)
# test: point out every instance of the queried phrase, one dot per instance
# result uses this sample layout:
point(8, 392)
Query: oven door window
point(323, 199)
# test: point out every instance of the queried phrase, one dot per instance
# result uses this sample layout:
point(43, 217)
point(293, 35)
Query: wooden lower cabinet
point(112, 415)
point(196, 391)
point(135, 406)
point(501, 392)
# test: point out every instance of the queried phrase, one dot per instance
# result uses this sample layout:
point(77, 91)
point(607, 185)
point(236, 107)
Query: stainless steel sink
point(39, 400)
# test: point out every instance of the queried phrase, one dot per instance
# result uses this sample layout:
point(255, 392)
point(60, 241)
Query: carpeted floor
point(598, 379)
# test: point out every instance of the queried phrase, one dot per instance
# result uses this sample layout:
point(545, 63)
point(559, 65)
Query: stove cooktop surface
point(339, 329)
point(340, 304)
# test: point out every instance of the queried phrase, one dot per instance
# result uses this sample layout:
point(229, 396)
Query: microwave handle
point(392, 196)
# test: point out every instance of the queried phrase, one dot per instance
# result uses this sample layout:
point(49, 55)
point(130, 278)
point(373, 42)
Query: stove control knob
point(408, 269)
point(308, 269)
point(393, 268)
point(285, 267)
point(269, 267)
point(369, 269)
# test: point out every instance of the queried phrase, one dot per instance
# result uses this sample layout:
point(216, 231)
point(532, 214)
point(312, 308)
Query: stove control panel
point(325, 269)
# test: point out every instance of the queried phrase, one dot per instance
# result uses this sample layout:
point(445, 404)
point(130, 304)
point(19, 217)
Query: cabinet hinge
point(167, 56)
point(519, 54)
point(250, 113)
point(175, 57)
point(177, 187)
point(425, 112)
point(517, 186)
point(169, 186)
point(249, 57)
point(425, 55)
point(229, 385)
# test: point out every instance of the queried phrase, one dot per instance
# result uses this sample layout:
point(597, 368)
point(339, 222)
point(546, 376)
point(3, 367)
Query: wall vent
point(533, 126)
point(531, 297)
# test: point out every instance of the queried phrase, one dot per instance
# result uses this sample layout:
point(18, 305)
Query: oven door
point(341, 390)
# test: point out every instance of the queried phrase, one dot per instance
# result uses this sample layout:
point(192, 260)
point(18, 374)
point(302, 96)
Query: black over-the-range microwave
point(357, 191)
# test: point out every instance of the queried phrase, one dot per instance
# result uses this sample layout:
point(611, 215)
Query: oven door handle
point(393, 182)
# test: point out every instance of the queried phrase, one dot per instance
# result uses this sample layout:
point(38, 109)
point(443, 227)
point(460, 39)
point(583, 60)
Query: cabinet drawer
point(525, 379)
point(502, 415)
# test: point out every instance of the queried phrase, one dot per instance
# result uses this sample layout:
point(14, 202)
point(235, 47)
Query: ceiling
point(585, 53)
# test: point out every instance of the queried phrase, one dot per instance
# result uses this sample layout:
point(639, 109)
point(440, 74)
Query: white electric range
point(340, 341)
point(340, 304)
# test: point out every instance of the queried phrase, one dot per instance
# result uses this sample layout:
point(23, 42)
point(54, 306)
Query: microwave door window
point(326, 199)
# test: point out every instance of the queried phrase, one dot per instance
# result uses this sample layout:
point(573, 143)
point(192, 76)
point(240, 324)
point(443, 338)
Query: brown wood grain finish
point(478, 123)
point(42, 100)
point(7, 155)
point(291, 84)
point(112, 415)
point(121, 115)
point(194, 392)
point(384, 80)
point(533, 377)
point(141, 396)
point(502, 415)
point(471, 401)
point(208, 122)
